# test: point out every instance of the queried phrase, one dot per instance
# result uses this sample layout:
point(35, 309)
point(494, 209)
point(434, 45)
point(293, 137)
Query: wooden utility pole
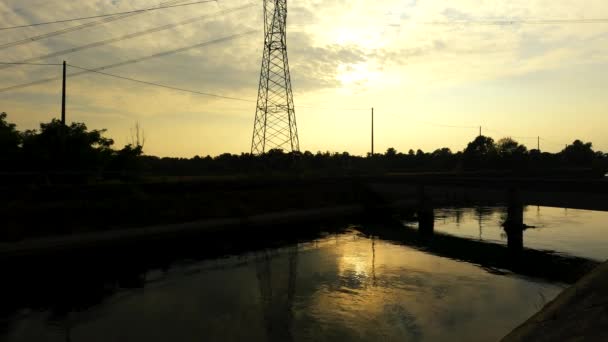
point(538, 144)
point(372, 131)
point(479, 130)
point(63, 95)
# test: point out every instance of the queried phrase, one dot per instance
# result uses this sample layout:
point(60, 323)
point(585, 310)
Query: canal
point(356, 284)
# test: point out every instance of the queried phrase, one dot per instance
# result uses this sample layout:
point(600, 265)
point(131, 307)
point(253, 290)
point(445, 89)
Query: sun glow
point(359, 74)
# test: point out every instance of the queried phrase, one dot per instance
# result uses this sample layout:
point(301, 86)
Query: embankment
point(43, 211)
point(580, 313)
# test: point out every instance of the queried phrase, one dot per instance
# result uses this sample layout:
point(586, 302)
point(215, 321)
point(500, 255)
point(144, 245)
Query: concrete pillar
point(426, 213)
point(514, 224)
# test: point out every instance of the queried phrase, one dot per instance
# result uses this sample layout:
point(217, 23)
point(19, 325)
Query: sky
point(433, 70)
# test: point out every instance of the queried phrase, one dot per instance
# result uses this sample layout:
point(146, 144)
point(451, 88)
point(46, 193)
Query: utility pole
point(538, 144)
point(372, 131)
point(479, 130)
point(63, 95)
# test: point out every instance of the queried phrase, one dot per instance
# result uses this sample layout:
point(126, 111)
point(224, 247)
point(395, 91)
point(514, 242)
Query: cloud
point(315, 54)
point(378, 46)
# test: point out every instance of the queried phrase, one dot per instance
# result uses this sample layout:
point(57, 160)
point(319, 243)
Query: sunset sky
point(433, 70)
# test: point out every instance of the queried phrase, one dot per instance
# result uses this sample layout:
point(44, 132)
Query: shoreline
point(579, 313)
point(225, 225)
point(113, 238)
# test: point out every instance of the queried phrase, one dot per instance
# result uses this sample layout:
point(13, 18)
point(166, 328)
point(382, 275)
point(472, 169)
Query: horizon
point(521, 80)
point(134, 139)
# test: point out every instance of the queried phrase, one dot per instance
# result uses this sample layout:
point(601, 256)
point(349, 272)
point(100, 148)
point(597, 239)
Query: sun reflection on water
point(343, 287)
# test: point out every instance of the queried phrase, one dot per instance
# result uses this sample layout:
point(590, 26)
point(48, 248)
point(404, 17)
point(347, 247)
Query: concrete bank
point(580, 313)
point(42, 246)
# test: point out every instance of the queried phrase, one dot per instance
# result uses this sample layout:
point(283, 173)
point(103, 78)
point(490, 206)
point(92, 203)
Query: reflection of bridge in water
point(492, 256)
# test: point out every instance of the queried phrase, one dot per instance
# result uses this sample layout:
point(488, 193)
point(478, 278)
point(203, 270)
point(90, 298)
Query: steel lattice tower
point(275, 118)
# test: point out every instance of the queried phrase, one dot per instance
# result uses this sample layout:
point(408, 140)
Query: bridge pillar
point(425, 213)
point(514, 224)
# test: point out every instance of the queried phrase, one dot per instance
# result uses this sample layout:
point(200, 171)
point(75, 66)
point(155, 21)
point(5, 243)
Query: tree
point(443, 159)
point(579, 153)
point(481, 146)
point(511, 154)
point(10, 141)
point(60, 147)
point(480, 153)
point(507, 147)
point(391, 152)
point(442, 153)
point(126, 162)
point(138, 136)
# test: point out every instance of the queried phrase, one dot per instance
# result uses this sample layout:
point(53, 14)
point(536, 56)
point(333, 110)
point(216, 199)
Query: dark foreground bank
point(580, 313)
point(57, 210)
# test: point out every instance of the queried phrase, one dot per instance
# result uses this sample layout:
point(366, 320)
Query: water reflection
point(276, 301)
point(514, 226)
point(342, 287)
point(414, 296)
point(392, 283)
point(512, 222)
point(579, 233)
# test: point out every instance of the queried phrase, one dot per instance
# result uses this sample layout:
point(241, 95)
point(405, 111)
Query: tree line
point(59, 148)
point(481, 154)
point(74, 148)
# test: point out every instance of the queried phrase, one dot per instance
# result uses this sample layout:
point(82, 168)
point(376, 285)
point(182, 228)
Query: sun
point(358, 74)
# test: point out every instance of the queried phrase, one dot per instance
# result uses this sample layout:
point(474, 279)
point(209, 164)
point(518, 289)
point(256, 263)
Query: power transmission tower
point(275, 118)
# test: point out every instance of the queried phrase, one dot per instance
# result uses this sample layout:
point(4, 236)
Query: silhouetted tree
point(58, 147)
point(510, 147)
point(579, 153)
point(74, 148)
point(126, 163)
point(511, 154)
point(442, 153)
point(138, 136)
point(480, 153)
point(10, 141)
point(443, 159)
point(391, 152)
point(600, 164)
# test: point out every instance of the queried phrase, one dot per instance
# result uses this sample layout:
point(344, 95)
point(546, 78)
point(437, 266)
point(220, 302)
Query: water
point(568, 231)
point(344, 286)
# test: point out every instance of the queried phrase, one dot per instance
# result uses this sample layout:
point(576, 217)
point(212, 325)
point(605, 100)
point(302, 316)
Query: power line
point(132, 61)
point(105, 15)
point(473, 127)
point(192, 91)
point(436, 124)
point(79, 27)
point(24, 63)
point(552, 142)
point(131, 35)
point(327, 108)
point(524, 22)
point(161, 85)
point(98, 70)
point(508, 135)
point(525, 138)
point(507, 22)
point(491, 130)
point(448, 126)
point(87, 70)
